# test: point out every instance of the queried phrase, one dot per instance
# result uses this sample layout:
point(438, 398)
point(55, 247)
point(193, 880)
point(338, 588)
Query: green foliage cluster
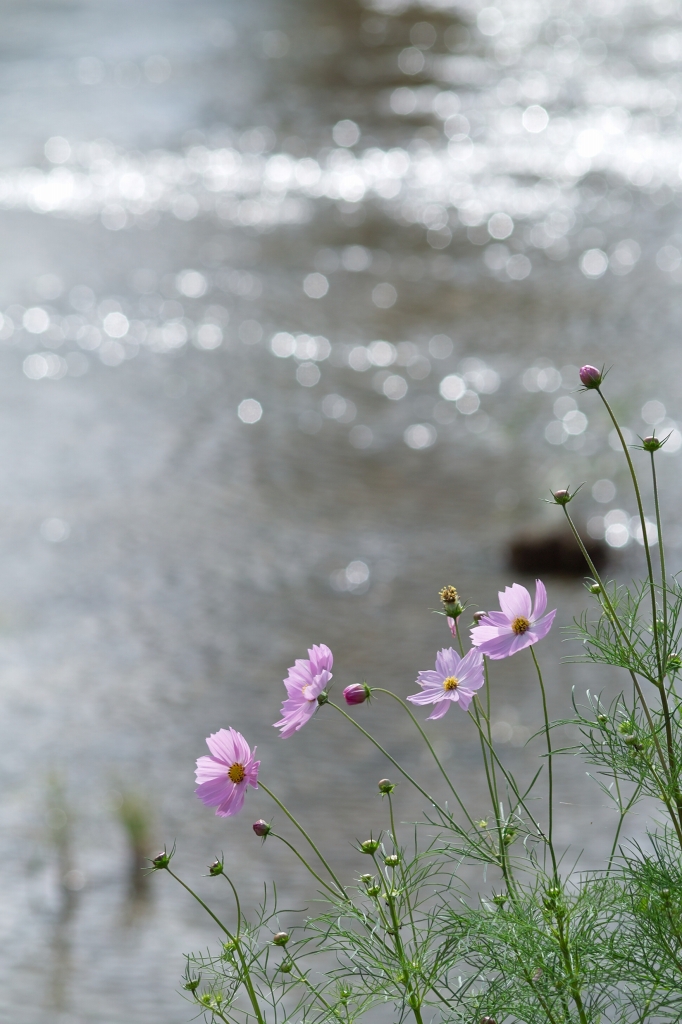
point(540, 941)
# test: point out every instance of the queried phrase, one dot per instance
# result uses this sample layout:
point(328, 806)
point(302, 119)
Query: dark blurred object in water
point(134, 815)
point(554, 554)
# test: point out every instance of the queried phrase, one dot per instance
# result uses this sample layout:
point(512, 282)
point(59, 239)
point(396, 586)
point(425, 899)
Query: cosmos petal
point(515, 602)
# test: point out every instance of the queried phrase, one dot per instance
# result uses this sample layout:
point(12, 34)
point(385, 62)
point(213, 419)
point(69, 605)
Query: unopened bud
point(392, 860)
point(603, 719)
point(280, 938)
point(286, 967)
point(595, 588)
point(366, 879)
point(356, 693)
point(262, 828)
point(562, 497)
point(373, 890)
point(674, 663)
point(162, 860)
point(386, 786)
point(499, 900)
point(590, 376)
point(651, 444)
point(322, 698)
point(216, 868)
point(478, 616)
point(192, 985)
point(369, 846)
point(488, 1020)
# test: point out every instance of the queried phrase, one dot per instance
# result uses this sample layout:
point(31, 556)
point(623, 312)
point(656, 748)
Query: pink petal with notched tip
point(497, 647)
point(233, 803)
point(523, 641)
point(494, 619)
point(515, 602)
point(427, 695)
point(440, 709)
point(482, 634)
point(229, 746)
point(540, 600)
point(214, 791)
point(465, 698)
point(543, 626)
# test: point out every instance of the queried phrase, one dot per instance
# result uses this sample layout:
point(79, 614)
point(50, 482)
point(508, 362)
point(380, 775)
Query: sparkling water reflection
point(292, 304)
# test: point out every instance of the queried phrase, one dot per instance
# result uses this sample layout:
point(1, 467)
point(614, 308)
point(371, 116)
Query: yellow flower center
point(451, 683)
point(520, 625)
point(236, 773)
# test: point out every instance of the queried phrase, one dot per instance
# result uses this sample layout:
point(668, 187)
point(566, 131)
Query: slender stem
point(661, 555)
point(303, 861)
point(492, 790)
point(240, 953)
point(550, 772)
point(622, 813)
point(303, 832)
point(236, 900)
point(459, 639)
point(508, 777)
point(380, 689)
point(669, 769)
point(403, 876)
point(393, 761)
point(645, 539)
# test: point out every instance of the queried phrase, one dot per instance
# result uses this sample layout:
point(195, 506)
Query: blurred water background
point(292, 300)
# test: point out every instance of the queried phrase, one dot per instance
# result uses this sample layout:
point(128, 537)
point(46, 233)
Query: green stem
point(303, 832)
point(621, 818)
point(550, 772)
point(303, 861)
point(661, 555)
point(240, 953)
point(459, 639)
point(386, 754)
point(380, 689)
point(645, 539)
point(667, 768)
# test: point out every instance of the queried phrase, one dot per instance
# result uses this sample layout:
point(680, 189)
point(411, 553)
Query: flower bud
point(451, 602)
point(369, 846)
point(216, 868)
point(192, 985)
point(478, 616)
point(280, 938)
point(373, 890)
point(386, 786)
point(285, 967)
point(562, 497)
point(356, 693)
point(499, 900)
point(590, 376)
point(674, 663)
point(366, 878)
point(322, 698)
point(488, 1020)
point(651, 444)
point(603, 719)
point(162, 860)
point(595, 588)
point(262, 828)
point(392, 860)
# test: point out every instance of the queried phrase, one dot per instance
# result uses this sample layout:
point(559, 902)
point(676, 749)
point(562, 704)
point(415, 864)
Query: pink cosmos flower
point(455, 679)
point(223, 777)
point(305, 682)
point(500, 634)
